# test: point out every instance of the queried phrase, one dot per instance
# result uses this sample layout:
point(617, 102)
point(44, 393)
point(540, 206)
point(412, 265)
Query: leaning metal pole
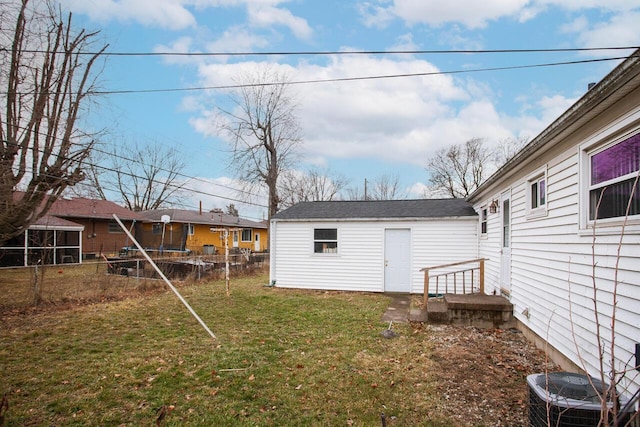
point(153, 264)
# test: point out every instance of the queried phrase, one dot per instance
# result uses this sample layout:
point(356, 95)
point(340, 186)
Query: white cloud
point(473, 14)
point(171, 14)
point(396, 120)
point(470, 13)
point(620, 30)
point(264, 15)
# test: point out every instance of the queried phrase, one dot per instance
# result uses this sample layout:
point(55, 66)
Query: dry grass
point(282, 357)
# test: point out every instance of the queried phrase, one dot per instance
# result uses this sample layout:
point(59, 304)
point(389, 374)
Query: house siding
point(552, 267)
point(359, 263)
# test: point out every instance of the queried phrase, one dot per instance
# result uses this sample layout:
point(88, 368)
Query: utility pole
point(365, 188)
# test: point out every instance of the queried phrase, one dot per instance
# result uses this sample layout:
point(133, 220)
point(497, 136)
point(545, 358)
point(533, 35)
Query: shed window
point(190, 229)
point(613, 173)
point(246, 234)
point(325, 240)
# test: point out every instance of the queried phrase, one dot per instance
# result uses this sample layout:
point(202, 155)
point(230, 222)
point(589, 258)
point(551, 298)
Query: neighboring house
point(199, 232)
point(71, 227)
point(376, 246)
point(102, 234)
point(552, 239)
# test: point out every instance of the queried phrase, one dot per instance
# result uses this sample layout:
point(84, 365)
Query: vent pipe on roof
point(200, 207)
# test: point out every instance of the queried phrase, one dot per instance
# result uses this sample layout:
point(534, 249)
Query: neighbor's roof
point(379, 209)
point(90, 208)
point(50, 222)
point(197, 217)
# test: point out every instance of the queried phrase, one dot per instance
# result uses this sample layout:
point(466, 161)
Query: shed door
point(256, 246)
point(397, 260)
point(505, 258)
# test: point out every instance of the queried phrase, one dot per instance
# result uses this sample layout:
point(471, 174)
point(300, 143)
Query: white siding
point(553, 274)
point(359, 263)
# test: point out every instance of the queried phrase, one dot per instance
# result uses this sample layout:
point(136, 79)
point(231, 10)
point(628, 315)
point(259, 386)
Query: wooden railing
point(455, 284)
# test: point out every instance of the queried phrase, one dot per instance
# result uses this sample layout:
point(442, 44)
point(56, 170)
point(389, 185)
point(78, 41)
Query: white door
point(256, 245)
point(235, 239)
point(397, 260)
point(505, 250)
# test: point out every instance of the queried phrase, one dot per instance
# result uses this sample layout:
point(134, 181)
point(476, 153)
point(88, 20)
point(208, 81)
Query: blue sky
point(362, 129)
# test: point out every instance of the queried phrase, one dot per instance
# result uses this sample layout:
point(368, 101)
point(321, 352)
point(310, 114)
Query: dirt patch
point(482, 373)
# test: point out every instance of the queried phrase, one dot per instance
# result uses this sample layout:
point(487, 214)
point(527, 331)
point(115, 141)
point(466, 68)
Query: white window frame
point(327, 251)
point(617, 132)
point(484, 220)
point(190, 229)
point(246, 230)
point(535, 179)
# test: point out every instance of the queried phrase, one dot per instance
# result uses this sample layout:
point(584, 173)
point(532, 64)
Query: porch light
point(493, 208)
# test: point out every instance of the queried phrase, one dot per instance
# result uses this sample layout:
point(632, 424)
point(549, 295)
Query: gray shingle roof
point(377, 209)
point(196, 217)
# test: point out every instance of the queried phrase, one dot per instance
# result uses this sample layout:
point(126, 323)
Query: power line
point(358, 52)
point(168, 184)
point(360, 78)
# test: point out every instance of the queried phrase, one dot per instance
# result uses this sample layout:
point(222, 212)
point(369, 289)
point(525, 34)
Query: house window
point(538, 193)
point(483, 221)
point(325, 240)
point(113, 227)
point(246, 234)
point(156, 228)
point(612, 177)
point(190, 229)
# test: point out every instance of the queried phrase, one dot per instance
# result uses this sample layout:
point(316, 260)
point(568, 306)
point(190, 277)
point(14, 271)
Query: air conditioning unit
point(565, 399)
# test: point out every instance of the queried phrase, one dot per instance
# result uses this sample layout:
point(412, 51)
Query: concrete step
point(482, 311)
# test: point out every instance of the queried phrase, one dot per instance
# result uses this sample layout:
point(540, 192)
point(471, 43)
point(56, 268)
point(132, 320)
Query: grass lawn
point(282, 357)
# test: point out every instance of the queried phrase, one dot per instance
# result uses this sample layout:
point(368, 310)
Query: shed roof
point(378, 209)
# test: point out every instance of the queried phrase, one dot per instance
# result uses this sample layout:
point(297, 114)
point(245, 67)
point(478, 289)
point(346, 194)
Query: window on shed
point(325, 240)
point(483, 221)
point(246, 234)
point(613, 173)
point(190, 229)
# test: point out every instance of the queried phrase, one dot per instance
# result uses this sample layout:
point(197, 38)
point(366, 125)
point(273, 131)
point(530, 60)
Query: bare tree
point(315, 185)
point(386, 187)
point(232, 210)
point(507, 149)
point(47, 76)
point(458, 170)
point(144, 176)
point(383, 187)
point(263, 130)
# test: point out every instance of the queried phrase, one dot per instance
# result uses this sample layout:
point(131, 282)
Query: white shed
point(556, 235)
point(375, 246)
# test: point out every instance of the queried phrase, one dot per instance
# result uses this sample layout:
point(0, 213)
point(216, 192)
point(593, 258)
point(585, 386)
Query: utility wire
point(348, 79)
point(168, 184)
point(357, 52)
point(180, 174)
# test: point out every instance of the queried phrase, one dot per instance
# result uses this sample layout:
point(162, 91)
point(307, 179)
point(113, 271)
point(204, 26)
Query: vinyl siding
point(359, 263)
point(552, 273)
